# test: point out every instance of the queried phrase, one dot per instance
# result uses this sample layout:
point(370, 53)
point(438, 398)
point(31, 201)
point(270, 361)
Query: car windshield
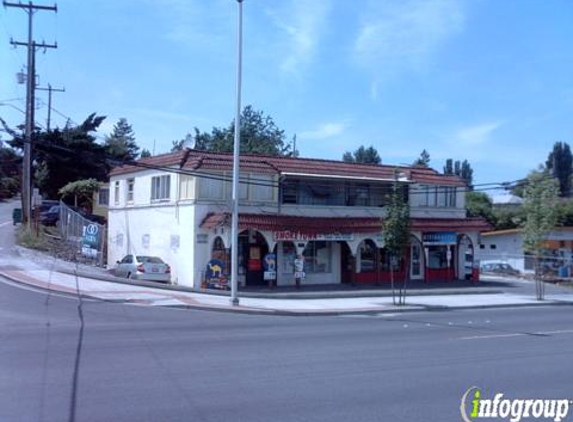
point(55, 208)
point(149, 259)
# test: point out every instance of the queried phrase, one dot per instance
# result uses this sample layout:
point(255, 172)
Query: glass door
point(416, 262)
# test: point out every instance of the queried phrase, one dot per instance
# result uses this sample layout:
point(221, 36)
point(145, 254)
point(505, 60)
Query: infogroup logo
point(474, 407)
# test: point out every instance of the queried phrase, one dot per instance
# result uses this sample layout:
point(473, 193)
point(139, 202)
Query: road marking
point(537, 333)
point(5, 223)
point(492, 336)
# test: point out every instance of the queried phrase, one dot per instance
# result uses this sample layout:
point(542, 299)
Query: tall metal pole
point(236, 147)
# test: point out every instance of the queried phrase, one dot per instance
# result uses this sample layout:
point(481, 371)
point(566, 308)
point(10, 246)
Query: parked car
point(50, 217)
point(499, 268)
point(141, 267)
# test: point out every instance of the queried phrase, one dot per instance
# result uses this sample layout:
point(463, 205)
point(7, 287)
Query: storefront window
point(317, 257)
point(385, 260)
point(437, 257)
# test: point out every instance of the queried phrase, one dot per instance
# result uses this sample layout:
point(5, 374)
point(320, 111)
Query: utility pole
point(30, 8)
point(50, 90)
point(236, 148)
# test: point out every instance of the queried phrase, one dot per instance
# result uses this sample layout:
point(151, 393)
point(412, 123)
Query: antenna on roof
point(189, 142)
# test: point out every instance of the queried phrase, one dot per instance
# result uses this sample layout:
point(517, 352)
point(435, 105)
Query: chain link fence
point(553, 264)
point(85, 239)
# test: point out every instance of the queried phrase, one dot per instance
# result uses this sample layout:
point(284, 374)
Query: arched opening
point(466, 258)
point(221, 254)
point(252, 250)
point(347, 263)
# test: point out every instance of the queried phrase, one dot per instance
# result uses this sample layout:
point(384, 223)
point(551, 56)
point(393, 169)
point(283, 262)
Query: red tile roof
point(329, 225)
point(194, 160)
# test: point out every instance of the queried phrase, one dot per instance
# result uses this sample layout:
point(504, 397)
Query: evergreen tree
point(560, 164)
point(423, 160)
point(120, 145)
point(145, 153)
point(461, 169)
point(363, 155)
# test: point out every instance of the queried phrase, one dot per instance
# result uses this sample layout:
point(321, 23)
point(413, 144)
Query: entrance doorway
point(416, 260)
point(252, 250)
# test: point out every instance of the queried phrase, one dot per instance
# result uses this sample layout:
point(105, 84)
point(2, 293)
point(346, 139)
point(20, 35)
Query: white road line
point(5, 223)
point(554, 332)
point(538, 333)
point(492, 336)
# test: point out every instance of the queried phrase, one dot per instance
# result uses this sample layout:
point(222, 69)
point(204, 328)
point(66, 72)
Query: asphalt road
point(130, 363)
point(112, 362)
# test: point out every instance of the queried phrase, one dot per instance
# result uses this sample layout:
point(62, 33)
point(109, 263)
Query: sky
point(490, 81)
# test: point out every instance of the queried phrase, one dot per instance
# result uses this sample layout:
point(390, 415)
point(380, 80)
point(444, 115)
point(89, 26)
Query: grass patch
point(29, 238)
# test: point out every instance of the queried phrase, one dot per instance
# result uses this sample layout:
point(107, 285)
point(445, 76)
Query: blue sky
point(490, 81)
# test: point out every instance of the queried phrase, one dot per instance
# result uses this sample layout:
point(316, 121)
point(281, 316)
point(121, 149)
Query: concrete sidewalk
point(39, 270)
point(36, 275)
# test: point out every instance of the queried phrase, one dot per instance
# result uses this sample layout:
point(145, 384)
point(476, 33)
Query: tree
point(145, 153)
point(10, 164)
point(540, 198)
point(461, 169)
point(478, 204)
point(560, 164)
point(363, 155)
point(64, 155)
point(120, 145)
point(396, 233)
point(423, 160)
point(82, 191)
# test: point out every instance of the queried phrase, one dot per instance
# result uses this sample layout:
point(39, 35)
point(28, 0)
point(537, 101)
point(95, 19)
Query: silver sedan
point(141, 267)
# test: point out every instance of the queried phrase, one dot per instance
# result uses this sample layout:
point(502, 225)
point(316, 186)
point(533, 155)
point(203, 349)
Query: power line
point(50, 90)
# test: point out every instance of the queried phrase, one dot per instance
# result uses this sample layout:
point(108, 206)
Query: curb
point(274, 312)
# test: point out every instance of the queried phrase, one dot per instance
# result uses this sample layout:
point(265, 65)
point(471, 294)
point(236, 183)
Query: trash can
point(16, 215)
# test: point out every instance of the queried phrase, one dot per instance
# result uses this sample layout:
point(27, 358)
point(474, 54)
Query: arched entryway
point(252, 249)
point(220, 253)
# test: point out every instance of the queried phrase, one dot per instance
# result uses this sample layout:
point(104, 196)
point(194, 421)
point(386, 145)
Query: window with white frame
point(129, 192)
point(437, 196)
point(186, 187)
point(116, 193)
point(103, 197)
point(160, 187)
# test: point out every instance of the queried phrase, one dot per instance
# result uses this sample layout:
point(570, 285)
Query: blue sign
point(270, 262)
point(90, 240)
point(214, 270)
point(439, 238)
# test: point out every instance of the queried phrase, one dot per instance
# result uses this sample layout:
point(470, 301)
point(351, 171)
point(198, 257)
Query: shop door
point(255, 270)
point(416, 262)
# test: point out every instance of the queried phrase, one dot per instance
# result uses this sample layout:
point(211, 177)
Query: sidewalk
point(41, 271)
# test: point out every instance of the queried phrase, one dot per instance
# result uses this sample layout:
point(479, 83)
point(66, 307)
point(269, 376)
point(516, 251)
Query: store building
point(327, 214)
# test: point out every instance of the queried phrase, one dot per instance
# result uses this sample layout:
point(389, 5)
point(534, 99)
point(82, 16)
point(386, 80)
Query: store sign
point(439, 238)
point(297, 235)
point(90, 240)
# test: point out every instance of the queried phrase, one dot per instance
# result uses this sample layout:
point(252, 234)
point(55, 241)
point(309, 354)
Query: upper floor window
point(116, 193)
point(211, 187)
point(186, 187)
point(437, 196)
point(160, 187)
point(130, 188)
point(103, 197)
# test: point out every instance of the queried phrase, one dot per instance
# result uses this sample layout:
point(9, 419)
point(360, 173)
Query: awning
point(329, 225)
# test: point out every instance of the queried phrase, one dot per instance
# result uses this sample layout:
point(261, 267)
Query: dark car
point(50, 217)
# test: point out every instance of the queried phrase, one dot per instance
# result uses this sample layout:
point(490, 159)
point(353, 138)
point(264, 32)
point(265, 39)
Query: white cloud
point(476, 135)
point(302, 22)
point(404, 35)
point(325, 131)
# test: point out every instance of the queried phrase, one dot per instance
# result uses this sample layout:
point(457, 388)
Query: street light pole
point(236, 147)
